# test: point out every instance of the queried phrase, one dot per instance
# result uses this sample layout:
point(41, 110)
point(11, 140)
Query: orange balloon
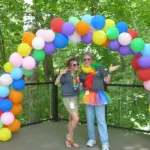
point(16, 109)
point(27, 37)
point(82, 27)
point(15, 126)
point(106, 42)
point(15, 96)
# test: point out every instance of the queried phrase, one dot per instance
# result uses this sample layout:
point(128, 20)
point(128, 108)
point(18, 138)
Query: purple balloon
point(87, 39)
point(68, 28)
point(124, 50)
point(37, 63)
point(1, 99)
point(114, 45)
point(144, 62)
point(135, 53)
point(49, 48)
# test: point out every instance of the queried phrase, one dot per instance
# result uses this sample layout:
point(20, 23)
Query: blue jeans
point(99, 111)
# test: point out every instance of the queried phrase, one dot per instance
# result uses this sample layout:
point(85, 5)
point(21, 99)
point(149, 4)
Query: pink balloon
point(6, 79)
point(47, 35)
point(147, 85)
point(28, 63)
point(15, 59)
point(7, 118)
point(124, 39)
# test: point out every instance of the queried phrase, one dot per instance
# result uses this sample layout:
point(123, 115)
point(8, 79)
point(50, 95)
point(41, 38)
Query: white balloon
point(38, 43)
point(75, 38)
point(47, 35)
point(124, 39)
point(92, 29)
point(6, 79)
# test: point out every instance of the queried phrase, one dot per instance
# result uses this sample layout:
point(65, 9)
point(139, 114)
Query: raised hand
point(64, 71)
point(113, 68)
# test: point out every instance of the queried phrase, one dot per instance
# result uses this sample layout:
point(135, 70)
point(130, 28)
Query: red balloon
point(144, 74)
point(133, 33)
point(134, 63)
point(1, 113)
point(56, 25)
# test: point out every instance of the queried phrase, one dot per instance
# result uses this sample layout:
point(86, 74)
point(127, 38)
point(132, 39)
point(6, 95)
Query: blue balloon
point(98, 22)
point(18, 84)
point(87, 18)
point(5, 105)
point(146, 50)
point(60, 41)
point(122, 27)
point(17, 73)
point(4, 91)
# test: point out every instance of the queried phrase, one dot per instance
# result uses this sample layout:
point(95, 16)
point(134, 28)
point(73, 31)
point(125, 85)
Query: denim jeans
point(99, 111)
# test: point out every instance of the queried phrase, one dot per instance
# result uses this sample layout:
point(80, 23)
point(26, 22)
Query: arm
point(57, 81)
point(112, 68)
point(107, 79)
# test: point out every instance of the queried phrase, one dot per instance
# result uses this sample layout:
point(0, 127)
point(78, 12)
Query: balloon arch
point(90, 29)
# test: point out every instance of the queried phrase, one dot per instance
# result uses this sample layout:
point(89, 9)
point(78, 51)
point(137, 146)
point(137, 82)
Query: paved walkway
point(51, 136)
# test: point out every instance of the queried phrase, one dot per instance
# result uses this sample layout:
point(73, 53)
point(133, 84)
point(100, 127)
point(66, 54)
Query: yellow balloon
point(99, 37)
point(24, 49)
point(5, 134)
point(109, 23)
point(8, 67)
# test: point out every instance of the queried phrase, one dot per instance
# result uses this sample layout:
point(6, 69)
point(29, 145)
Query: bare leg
point(70, 135)
point(73, 121)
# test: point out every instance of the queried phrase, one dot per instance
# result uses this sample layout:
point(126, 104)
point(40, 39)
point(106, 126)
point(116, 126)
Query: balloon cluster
point(105, 32)
point(34, 47)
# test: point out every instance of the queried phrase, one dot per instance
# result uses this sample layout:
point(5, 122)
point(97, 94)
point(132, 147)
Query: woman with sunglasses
point(93, 76)
point(70, 82)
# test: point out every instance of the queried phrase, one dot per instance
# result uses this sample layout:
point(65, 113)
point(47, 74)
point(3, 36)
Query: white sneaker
point(91, 143)
point(105, 147)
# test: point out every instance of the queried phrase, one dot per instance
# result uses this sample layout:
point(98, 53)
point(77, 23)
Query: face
point(87, 60)
point(74, 66)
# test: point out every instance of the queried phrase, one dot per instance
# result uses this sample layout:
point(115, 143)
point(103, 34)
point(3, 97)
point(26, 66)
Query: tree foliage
point(134, 12)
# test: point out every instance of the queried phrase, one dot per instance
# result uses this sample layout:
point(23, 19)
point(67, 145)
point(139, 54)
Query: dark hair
point(89, 53)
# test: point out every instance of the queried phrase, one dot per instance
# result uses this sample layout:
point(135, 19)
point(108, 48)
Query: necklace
point(90, 71)
point(75, 80)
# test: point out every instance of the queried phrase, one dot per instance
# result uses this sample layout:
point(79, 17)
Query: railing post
point(55, 103)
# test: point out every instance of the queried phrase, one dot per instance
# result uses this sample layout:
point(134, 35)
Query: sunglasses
point(75, 65)
point(85, 59)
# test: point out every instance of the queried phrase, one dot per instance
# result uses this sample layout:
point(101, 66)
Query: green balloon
point(1, 124)
point(137, 45)
point(39, 55)
point(73, 20)
point(112, 33)
point(27, 72)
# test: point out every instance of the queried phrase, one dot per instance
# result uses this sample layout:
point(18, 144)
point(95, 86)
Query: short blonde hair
point(89, 54)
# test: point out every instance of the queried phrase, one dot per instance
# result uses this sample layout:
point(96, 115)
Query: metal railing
point(128, 110)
